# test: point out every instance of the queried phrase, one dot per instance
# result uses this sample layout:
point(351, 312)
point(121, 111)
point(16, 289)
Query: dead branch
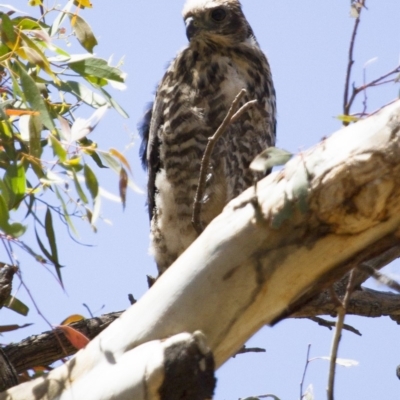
point(231, 117)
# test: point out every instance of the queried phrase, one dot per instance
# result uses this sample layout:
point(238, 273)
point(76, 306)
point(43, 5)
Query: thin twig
point(338, 335)
point(381, 278)
point(375, 82)
point(331, 324)
point(305, 370)
point(42, 12)
point(231, 116)
point(8, 247)
point(245, 350)
point(365, 101)
point(346, 103)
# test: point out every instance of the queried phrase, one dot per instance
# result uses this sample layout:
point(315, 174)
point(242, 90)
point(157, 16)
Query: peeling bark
point(330, 209)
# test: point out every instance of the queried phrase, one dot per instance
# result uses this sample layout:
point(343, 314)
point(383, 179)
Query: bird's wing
point(150, 149)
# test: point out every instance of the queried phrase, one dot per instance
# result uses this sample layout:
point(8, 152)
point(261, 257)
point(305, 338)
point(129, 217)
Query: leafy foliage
point(44, 149)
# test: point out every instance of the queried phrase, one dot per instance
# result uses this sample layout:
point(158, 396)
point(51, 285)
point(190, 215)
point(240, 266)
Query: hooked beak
point(191, 27)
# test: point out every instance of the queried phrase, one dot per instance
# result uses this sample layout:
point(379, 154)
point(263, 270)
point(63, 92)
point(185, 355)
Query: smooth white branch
point(333, 204)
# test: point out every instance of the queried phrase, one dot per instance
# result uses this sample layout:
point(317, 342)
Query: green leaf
point(35, 99)
point(27, 23)
point(96, 81)
point(82, 93)
point(17, 91)
point(115, 105)
point(83, 33)
point(91, 181)
point(78, 188)
point(4, 214)
point(8, 35)
point(269, 158)
point(14, 327)
point(51, 237)
point(110, 161)
point(53, 258)
point(38, 56)
point(58, 149)
point(97, 67)
point(5, 126)
point(15, 230)
point(42, 248)
point(37, 168)
point(97, 159)
point(5, 192)
point(35, 130)
point(4, 50)
point(65, 212)
point(12, 303)
point(16, 182)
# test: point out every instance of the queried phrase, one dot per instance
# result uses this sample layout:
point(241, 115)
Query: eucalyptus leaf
point(91, 181)
point(12, 303)
point(83, 33)
point(82, 92)
point(97, 67)
point(35, 99)
point(269, 158)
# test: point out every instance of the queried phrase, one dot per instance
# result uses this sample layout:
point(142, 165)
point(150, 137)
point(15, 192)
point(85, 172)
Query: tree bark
point(330, 209)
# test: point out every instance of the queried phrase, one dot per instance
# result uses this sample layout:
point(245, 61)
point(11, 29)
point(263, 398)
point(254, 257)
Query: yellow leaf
point(73, 318)
point(83, 3)
point(35, 2)
point(74, 161)
point(73, 20)
point(347, 118)
point(121, 158)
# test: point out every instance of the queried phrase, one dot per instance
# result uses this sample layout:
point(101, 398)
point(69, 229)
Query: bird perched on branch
point(222, 58)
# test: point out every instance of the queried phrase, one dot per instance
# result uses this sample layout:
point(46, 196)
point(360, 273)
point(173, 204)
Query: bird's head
point(218, 21)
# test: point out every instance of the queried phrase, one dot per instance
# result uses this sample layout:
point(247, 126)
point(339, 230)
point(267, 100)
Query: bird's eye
point(218, 14)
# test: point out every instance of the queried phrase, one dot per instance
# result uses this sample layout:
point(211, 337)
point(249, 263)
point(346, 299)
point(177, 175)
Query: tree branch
point(346, 103)
point(46, 348)
point(329, 209)
point(231, 117)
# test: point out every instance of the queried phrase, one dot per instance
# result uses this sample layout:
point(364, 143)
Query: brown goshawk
point(191, 101)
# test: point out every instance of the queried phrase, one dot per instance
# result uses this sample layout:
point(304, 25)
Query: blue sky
point(306, 43)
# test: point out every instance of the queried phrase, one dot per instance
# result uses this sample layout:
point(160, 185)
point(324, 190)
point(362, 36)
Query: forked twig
point(231, 117)
point(375, 82)
point(348, 99)
point(346, 103)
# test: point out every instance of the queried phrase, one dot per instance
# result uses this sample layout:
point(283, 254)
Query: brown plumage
point(222, 58)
